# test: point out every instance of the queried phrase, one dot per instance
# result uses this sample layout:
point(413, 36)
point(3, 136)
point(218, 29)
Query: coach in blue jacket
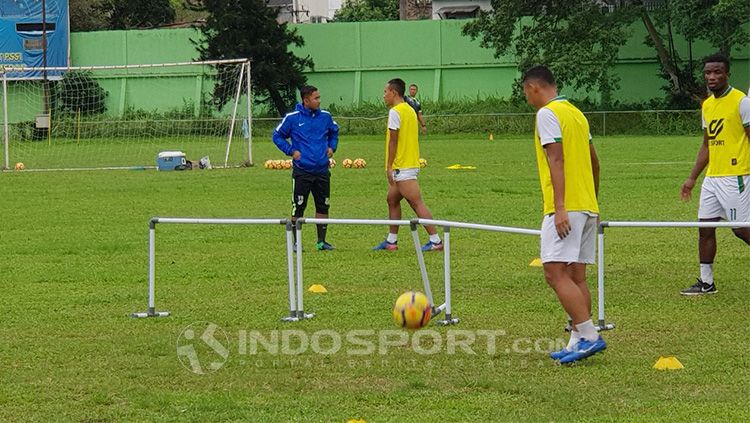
point(314, 136)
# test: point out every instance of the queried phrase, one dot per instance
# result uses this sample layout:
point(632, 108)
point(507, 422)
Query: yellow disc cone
point(318, 289)
point(537, 262)
point(668, 363)
point(356, 421)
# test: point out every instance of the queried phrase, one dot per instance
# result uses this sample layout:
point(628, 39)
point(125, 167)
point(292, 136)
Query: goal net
point(123, 116)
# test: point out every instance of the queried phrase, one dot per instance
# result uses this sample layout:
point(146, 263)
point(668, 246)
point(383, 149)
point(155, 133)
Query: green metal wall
point(354, 60)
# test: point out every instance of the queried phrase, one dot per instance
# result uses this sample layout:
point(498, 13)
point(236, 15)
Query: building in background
point(306, 11)
point(458, 9)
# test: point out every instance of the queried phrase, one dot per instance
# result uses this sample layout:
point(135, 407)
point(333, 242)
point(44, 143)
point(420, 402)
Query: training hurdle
point(417, 247)
point(643, 224)
point(151, 311)
point(414, 226)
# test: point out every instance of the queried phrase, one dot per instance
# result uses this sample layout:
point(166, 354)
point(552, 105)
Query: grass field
point(73, 265)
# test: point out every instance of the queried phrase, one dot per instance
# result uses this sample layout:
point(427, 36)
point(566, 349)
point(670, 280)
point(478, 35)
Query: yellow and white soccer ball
point(422, 162)
point(412, 310)
point(278, 164)
point(268, 164)
point(359, 163)
point(287, 164)
point(347, 163)
point(20, 166)
point(331, 163)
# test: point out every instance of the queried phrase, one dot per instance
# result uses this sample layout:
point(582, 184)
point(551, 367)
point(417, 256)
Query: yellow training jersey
point(407, 150)
point(580, 193)
point(728, 144)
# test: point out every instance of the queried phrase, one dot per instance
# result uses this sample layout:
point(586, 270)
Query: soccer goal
point(123, 116)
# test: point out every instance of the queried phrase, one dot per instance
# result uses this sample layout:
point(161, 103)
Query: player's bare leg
point(410, 191)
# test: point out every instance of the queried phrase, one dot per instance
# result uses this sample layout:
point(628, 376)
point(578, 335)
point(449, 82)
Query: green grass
point(73, 265)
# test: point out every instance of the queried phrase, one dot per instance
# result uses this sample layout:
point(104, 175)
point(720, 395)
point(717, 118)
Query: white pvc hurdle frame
point(414, 226)
point(415, 236)
point(151, 311)
point(643, 224)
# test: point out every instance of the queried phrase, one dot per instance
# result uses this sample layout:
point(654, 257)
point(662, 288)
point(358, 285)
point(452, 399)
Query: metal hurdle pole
point(300, 222)
point(290, 274)
point(151, 312)
point(643, 224)
point(447, 225)
point(413, 225)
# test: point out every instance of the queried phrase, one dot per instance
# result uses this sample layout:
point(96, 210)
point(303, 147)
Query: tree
point(718, 22)
point(87, 15)
point(575, 38)
point(368, 10)
point(248, 28)
point(128, 14)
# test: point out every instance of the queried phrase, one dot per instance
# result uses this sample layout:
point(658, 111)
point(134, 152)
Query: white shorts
point(405, 174)
point(578, 247)
point(727, 197)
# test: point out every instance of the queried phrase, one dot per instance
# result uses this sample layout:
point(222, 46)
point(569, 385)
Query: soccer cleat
point(431, 246)
point(584, 348)
point(324, 246)
point(385, 245)
point(556, 355)
point(700, 288)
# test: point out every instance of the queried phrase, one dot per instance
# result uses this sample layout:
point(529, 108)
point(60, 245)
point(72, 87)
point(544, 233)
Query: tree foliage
point(580, 39)
point(248, 29)
point(368, 10)
point(127, 14)
point(87, 15)
point(574, 38)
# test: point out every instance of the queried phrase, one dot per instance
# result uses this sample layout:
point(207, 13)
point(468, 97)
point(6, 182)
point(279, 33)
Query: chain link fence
point(603, 123)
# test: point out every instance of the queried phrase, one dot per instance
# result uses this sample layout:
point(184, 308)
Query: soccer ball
point(20, 166)
point(331, 163)
point(278, 164)
point(347, 163)
point(359, 163)
point(422, 162)
point(412, 310)
point(287, 164)
point(268, 164)
point(363, 163)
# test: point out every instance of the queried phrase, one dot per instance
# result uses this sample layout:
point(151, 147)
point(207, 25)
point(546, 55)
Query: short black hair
point(717, 58)
point(539, 73)
point(305, 91)
point(398, 85)
point(413, 85)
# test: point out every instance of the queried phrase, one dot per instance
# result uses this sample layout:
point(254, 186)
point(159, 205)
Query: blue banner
point(21, 33)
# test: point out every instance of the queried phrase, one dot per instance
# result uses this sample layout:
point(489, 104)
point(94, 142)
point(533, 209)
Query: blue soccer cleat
point(584, 348)
point(431, 246)
point(385, 245)
point(324, 246)
point(556, 355)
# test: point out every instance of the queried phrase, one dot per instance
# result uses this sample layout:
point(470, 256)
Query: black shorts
point(305, 182)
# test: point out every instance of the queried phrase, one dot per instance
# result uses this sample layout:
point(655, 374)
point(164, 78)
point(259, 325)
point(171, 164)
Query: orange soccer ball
point(20, 166)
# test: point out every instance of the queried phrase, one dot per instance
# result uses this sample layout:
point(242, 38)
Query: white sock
point(392, 238)
point(587, 330)
point(435, 239)
point(575, 336)
point(707, 273)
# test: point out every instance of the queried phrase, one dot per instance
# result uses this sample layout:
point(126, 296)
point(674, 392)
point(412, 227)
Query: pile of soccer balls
point(287, 164)
point(354, 164)
point(278, 164)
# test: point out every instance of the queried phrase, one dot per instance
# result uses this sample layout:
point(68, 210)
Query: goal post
point(122, 116)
